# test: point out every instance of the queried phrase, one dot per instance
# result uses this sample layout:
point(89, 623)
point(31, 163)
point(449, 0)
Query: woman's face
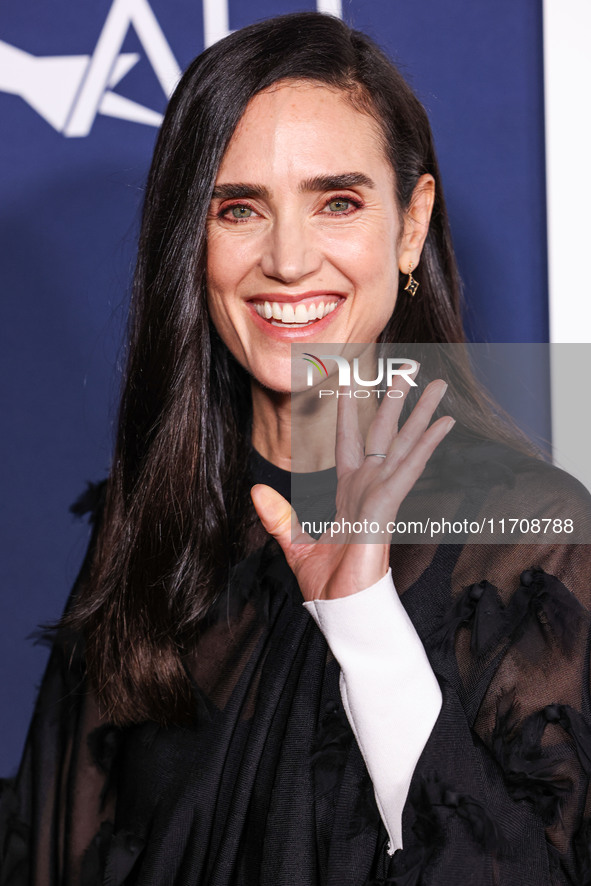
point(304, 235)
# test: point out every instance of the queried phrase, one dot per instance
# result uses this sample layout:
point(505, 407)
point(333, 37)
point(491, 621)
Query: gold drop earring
point(411, 283)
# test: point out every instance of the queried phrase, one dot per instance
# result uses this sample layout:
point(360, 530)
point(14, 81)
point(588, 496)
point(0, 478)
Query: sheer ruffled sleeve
point(505, 773)
point(535, 718)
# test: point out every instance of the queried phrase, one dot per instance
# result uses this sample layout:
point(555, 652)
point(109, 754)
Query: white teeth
point(301, 314)
point(286, 314)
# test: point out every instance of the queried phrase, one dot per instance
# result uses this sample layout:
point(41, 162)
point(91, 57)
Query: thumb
point(274, 512)
point(279, 519)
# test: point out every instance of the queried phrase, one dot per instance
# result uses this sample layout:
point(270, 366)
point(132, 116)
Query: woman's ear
point(416, 223)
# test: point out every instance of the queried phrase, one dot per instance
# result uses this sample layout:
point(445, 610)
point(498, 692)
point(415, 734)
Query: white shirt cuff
point(390, 694)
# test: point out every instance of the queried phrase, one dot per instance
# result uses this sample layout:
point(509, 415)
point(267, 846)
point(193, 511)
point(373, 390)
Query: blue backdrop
point(79, 128)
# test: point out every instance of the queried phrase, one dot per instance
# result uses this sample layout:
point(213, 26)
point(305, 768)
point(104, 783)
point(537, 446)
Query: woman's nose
point(290, 252)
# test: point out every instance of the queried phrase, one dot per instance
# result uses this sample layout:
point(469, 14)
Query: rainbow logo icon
point(317, 362)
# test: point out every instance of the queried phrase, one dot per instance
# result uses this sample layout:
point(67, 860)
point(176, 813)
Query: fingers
point(416, 424)
point(408, 471)
point(349, 440)
point(385, 425)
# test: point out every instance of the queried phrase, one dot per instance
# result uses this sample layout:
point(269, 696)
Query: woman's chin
point(281, 383)
point(278, 384)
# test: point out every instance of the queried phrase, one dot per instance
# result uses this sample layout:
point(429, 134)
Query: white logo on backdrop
point(68, 91)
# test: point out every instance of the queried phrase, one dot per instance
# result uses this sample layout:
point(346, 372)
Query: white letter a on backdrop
point(107, 66)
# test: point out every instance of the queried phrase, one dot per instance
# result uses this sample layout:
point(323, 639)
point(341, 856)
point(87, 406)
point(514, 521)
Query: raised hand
point(372, 483)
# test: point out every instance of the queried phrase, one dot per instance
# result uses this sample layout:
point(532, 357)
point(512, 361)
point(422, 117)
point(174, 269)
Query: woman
point(194, 725)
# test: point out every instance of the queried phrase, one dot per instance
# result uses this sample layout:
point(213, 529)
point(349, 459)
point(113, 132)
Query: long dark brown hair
point(178, 509)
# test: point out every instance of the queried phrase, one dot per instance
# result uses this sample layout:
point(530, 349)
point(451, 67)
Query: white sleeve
point(390, 694)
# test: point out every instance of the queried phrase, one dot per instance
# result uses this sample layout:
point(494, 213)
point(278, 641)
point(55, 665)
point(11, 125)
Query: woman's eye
point(239, 212)
point(341, 205)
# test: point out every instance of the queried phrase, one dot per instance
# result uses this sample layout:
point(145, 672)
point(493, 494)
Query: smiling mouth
point(285, 314)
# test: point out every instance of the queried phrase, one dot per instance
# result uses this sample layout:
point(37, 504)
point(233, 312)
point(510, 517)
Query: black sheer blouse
point(268, 786)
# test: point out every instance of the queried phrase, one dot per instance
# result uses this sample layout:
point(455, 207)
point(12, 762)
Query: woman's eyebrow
point(336, 182)
point(232, 191)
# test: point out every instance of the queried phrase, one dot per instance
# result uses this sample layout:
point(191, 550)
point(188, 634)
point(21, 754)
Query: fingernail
point(442, 391)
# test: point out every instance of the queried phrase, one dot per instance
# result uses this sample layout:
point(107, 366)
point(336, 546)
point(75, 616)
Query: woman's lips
point(304, 314)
